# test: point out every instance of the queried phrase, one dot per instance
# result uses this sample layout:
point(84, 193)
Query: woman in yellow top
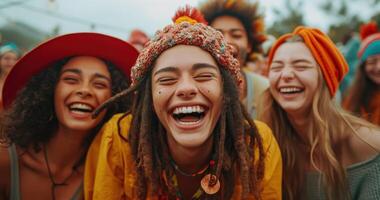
point(188, 137)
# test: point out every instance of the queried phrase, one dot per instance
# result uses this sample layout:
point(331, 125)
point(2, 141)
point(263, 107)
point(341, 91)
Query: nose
point(186, 88)
point(287, 73)
point(84, 91)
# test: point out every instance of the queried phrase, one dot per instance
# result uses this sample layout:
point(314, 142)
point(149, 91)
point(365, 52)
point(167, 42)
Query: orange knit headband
point(330, 59)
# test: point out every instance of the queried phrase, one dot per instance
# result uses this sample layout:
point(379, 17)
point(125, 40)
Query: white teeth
point(290, 89)
point(188, 109)
point(80, 106)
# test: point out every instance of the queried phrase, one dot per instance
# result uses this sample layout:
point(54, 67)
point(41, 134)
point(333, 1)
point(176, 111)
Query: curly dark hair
point(236, 138)
point(246, 12)
point(31, 120)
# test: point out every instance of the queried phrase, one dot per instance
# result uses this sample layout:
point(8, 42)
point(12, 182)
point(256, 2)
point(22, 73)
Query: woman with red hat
point(327, 153)
point(47, 126)
point(363, 97)
point(188, 136)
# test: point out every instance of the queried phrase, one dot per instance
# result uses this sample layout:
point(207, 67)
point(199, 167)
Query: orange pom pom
point(189, 14)
point(368, 29)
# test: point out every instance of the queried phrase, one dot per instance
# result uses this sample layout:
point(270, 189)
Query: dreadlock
point(236, 138)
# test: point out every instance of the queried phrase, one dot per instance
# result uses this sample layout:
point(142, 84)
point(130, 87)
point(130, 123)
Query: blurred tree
point(24, 35)
point(344, 20)
point(288, 18)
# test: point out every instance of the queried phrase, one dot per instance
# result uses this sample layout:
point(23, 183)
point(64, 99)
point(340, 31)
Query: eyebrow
point(293, 62)
point(230, 30)
point(196, 66)
point(166, 69)
point(301, 60)
point(79, 72)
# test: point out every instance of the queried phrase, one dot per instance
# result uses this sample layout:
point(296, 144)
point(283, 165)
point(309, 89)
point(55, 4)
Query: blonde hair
point(327, 121)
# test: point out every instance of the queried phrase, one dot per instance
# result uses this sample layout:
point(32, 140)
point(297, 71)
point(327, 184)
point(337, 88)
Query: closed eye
point(204, 76)
point(101, 85)
point(70, 80)
point(166, 80)
point(302, 67)
point(276, 67)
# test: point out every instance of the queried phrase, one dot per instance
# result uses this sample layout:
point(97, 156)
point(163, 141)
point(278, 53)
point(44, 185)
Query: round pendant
point(205, 184)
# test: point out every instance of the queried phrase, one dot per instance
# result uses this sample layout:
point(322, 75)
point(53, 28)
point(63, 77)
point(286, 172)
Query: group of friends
point(88, 116)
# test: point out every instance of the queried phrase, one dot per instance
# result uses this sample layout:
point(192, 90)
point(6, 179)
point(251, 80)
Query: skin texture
point(235, 34)
point(7, 60)
point(182, 81)
point(83, 80)
point(293, 67)
point(372, 69)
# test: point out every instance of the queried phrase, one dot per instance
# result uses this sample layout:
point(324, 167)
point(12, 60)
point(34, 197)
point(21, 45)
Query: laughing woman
point(47, 125)
point(327, 153)
point(188, 136)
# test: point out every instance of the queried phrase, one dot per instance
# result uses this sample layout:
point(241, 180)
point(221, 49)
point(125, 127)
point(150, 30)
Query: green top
point(15, 178)
point(363, 177)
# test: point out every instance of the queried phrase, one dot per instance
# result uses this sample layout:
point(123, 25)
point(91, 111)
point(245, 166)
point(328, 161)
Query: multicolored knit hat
point(370, 45)
point(189, 28)
point(329, 58)
point(245, 11)
point(9, 47)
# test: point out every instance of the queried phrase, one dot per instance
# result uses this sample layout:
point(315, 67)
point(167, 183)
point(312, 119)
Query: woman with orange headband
point(327, 153)
point(188, 136)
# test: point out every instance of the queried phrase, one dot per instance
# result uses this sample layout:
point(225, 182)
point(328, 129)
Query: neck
point(301, 125)
point(65, 148)
point(191, 160)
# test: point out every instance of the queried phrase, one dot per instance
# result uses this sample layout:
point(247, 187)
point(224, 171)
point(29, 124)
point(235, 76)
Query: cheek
point(104, 95)
point(273, 78)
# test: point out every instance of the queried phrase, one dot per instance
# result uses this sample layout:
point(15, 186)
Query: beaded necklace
point(209, 183)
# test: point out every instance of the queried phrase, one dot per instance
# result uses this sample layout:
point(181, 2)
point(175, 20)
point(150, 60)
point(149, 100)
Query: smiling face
point(372, 68)
point(234, 33)
point(84, 83)
point(187, 95)
point(8, 60)
point(293, 77)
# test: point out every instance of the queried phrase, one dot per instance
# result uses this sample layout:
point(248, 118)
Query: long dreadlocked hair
point(236, 139)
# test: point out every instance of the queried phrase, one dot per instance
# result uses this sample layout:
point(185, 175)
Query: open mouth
point(80, 108)
point(291, 90)
point(188, 115)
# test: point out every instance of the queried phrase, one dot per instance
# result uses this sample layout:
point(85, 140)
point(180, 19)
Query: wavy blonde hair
point(327, 121)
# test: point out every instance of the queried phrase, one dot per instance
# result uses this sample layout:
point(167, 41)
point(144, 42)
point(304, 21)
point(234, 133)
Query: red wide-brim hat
point(119, 52)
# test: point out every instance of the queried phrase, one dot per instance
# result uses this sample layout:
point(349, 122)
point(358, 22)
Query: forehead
point(374, 57)
point(182, 56)
point(88, 65)
point(226, 22)
point(293, 51)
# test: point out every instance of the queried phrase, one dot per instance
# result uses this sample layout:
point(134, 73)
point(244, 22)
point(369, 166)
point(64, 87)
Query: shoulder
point(265, 132)
point(270, 145)
point(272, 179)
point(370, 137)
point(112, 131)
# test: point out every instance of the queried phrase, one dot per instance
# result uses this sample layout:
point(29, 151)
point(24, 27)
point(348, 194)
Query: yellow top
point(110, 171)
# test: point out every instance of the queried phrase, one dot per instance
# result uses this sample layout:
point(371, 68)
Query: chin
point(191, 141)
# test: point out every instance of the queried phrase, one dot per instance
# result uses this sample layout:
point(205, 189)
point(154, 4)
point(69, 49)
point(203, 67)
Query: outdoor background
point(28, 22)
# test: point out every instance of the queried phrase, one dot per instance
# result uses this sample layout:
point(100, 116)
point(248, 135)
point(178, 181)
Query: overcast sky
point(119, 17)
